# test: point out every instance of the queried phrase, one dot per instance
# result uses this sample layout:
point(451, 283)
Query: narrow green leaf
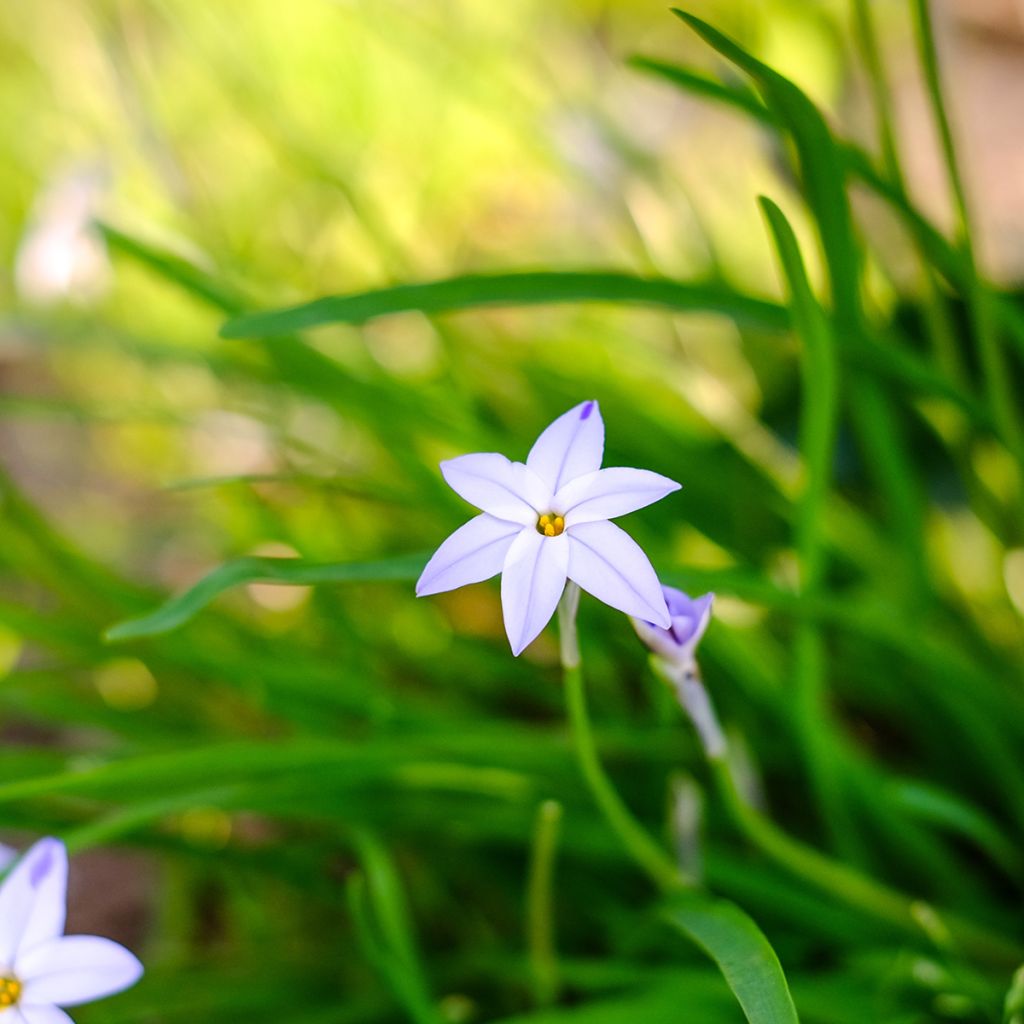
point(172, 267)
point(252, 569)
point(819, 421)
point(512, 289)
point(999, 386)
point(397, 952)
point(256, 764)
point(820, 383)
point(744, 956)
point(945, 257)
point(823, 171)
point(701, 85)
point(822, 167)
point(948, 811)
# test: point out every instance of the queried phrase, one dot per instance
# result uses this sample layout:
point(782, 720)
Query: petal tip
point(662, 616)
point(425, 586)
point(136, 970)
point(45, 855)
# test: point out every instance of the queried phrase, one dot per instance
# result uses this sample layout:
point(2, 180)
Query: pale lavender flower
point(41, 969)
point(62, 256)
point(690, 617)
point(545, 521)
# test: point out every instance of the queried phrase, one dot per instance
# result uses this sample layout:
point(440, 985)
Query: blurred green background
point(274, 797)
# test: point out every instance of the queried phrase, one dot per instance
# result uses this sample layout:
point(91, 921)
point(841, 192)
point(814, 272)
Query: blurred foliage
point(336, 786)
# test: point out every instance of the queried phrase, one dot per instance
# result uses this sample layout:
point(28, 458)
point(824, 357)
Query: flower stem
point(916, 918)
point(540, 928)
point(647, 853)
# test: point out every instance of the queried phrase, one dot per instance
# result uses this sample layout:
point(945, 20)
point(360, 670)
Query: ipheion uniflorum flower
point(546, 521)
point(690, 616)
point(41, 968)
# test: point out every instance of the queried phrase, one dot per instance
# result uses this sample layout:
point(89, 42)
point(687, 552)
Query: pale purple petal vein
point(474, 552)
point(532, 582)
point(607, 493)
point(608, 564)
point(504, 489)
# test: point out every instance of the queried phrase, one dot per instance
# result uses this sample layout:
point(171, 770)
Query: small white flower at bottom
point(41, 969)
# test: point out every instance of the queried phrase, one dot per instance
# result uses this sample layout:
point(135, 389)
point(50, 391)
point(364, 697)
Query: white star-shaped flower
point(41, 969)
point(547, 520)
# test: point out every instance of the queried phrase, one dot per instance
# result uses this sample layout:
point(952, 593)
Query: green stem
point(913, 917)
point(647, 853)
point(540, 927)
point(856, 890)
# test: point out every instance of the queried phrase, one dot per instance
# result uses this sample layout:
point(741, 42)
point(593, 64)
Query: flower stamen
point(550, 525)
point(10, 992)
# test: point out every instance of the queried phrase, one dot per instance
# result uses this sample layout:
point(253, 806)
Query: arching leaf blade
point(743, 955)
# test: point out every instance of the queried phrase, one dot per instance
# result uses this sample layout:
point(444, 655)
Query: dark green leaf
point(744, 956)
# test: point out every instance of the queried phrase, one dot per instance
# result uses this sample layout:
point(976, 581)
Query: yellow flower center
point(550, 525)
point(10, 992)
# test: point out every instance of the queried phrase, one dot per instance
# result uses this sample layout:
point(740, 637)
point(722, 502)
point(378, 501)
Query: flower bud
point(690, 616)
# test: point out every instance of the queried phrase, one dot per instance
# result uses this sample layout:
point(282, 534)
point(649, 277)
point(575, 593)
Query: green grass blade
point(386, 897)
point(394, 971)
point(821, 165)
point(174, 268)
point(253, 569)
point(823, 171)
point(513, 289)
point(818, 427)
point(999, 386)
point(820, 373)
point(701, 85)
point(949, 812)
point(943, 256)
point(744, 956)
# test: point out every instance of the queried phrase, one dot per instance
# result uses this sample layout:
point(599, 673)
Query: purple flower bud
point(690, 617)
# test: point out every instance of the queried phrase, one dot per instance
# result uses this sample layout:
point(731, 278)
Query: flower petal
point(606, 562)
point(474, 552)
point(690, 618)
point(33, 899)
point(531, 584)
point(507, 490)
point(40, 1015)
point(75, 969)
point(569, 447)
point(608, 493)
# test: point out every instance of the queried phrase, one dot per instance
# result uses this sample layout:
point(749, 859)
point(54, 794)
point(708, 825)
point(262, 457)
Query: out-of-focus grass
point(338, 784)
